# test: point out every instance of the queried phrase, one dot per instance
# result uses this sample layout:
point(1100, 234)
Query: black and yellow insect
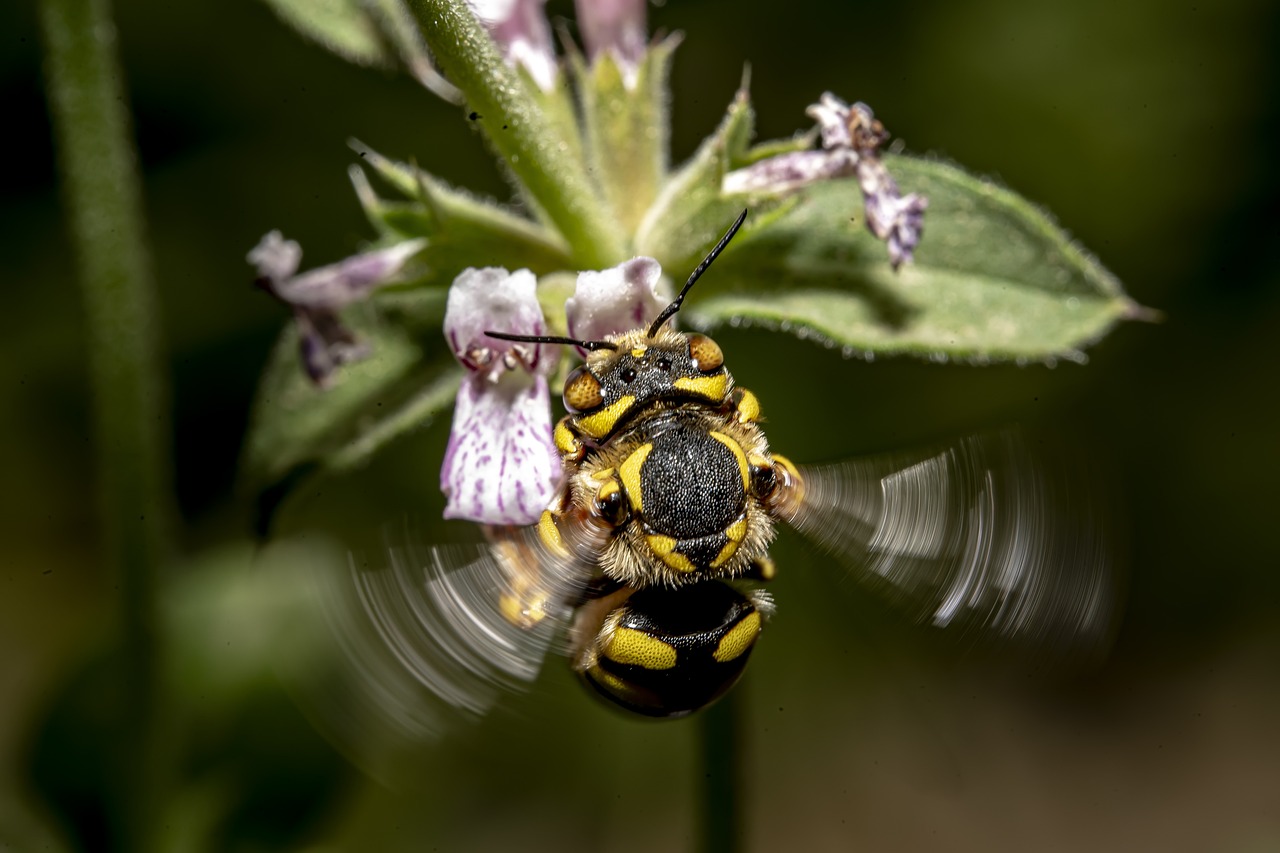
point(651, 558)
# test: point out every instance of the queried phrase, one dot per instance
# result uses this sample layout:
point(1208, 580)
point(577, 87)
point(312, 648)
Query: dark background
point(1148, 128)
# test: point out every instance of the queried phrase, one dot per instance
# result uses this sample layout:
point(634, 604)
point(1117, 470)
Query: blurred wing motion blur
point(986, 535)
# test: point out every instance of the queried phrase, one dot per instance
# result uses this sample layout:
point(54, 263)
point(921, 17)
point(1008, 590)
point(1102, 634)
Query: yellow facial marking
point(748, 408)
point(627, 645)
point(708, 387)
point(737, 452)
point(550, 534)
point(629, 473)
point(603, 474)
point(739, 639)
point(613, 682)
point(665, 548)
point(566, 442)
point(639, 350)
point(601, 423)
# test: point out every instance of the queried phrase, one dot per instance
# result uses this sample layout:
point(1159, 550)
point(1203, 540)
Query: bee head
point(625, 372)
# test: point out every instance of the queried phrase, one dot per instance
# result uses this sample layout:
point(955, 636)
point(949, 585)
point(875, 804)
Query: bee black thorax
point(676, 483)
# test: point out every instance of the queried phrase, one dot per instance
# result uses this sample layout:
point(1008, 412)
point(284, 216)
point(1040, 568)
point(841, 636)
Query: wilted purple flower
point(891, 216)
point(616, 27)
point(501, 466)
point(318, 295)
point(521, 31)
point(851, 141)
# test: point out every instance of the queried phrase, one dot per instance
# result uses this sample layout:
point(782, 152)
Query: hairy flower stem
point(104, 211)
point(720, 735)
point(526, 139)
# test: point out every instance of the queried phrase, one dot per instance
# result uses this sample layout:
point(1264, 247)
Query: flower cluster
point(611, 195)
point(501, 466)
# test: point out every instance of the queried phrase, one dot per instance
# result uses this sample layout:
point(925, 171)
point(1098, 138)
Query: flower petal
point(501, 466)
point(615, 300)
point(275, 258)
point(521, 31)
point(617, 26)
point(348, 280)
point(892, 217)
point(790, 171)
point(492, 299)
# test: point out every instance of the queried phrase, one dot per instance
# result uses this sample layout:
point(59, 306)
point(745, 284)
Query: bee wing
point(426, 636)
point(983, 534)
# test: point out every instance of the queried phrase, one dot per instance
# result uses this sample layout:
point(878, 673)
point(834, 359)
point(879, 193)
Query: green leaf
point(462, 230)
point(627, 128)
point(993, 278)
point(344, 27)
point(299, 430)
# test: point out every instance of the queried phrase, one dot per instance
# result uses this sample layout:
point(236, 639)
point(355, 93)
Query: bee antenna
point(552, 339)
point(671, 309)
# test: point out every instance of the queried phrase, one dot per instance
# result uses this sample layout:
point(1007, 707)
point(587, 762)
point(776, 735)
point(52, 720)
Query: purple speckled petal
point(791, 171)
point(348, 280)
point(892, 217)
point(521, 31)
point(615, 300)
point(501, 466)
point(494, 300)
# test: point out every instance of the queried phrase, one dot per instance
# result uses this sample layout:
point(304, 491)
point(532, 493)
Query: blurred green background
point(1148, 128)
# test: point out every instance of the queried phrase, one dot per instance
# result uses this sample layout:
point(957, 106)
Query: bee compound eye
point(706, 353)
point(582, 391)
point(669, 652)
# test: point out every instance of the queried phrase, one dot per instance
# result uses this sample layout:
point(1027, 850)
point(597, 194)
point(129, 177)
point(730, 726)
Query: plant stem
point(102, 197)
point(722, 796)
point(508, 113)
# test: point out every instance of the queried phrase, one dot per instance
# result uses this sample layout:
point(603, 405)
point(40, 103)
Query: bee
point(647, 570)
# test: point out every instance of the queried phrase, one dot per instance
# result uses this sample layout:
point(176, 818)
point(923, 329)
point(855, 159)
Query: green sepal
point(298, 429)
point(344, 27)
point(462, 230)
point(993, 278)
point(690, 213)
point(627, 128)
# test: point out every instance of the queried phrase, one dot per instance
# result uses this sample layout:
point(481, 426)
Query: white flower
point(521, 31)
point(501, 466)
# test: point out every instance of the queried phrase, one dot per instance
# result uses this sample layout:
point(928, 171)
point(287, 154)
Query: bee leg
point(780, 487)
point(597, 588)
point(567, 442)
point(762, 568)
